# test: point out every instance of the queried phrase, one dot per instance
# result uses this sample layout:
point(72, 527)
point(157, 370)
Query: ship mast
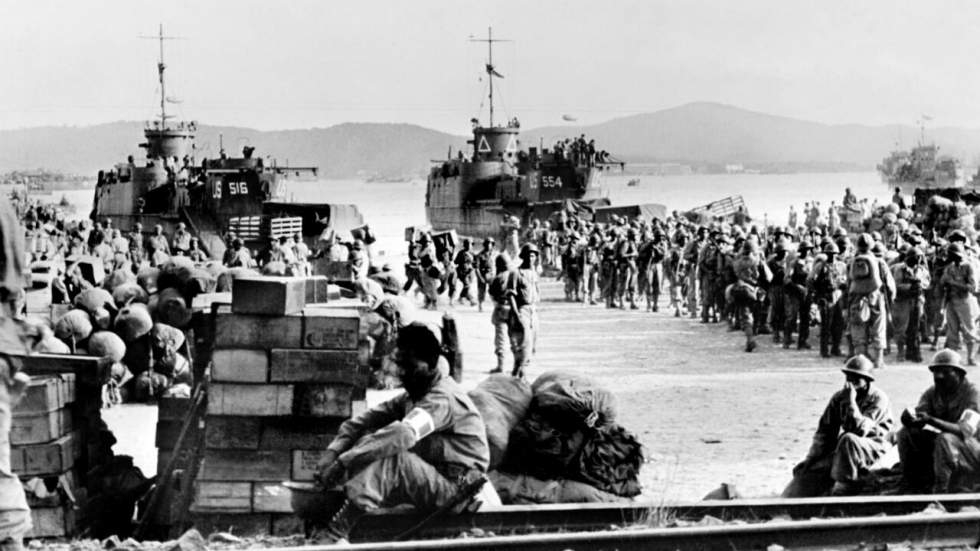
point(161, 67)
point(491, 71)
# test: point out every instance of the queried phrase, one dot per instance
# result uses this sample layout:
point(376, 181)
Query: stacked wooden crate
point(57, 437)
point(284, 374)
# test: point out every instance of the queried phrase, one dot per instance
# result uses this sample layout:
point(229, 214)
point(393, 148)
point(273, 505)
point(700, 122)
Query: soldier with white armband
point(938, 444)
point(419, 448)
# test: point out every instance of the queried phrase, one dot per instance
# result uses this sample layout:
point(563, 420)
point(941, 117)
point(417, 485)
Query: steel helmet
point(529, 248)
point(860, 365)
point(864, 242)
point(947, 358)
point(830, 248)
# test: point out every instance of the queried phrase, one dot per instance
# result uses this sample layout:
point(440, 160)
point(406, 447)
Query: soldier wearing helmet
point(867, 314)
point(465, 272)
point(851, 436)
point(181, 239)
point(627, 270)
point(911, 281)
point(485, 271)
point(959, 283)
point(752, 274)
point(796, 296)
point(516, 293)
point(827, 283)
point(777, 299)
point(951, 408)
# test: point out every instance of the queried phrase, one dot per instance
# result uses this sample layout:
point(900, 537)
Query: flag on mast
point(492, 71)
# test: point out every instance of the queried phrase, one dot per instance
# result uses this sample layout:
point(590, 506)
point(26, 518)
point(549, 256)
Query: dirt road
point(705, 411)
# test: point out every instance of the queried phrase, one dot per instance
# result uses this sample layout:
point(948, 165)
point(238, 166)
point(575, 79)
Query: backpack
point(863, 274)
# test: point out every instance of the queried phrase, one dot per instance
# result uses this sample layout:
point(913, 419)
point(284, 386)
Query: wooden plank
point(37, 428)
point(85, 368)
point(271, 497)
point(51, 458)
point(242, 465)
point(257, 332)
point(52, 522)
point(239, 365)
point(304, 463)
point(331, 328)
point(229, 497)
point(205, 301)
point(323, 400)
point(317, 366)
point(47, 393)
point(268, 296)
point(237, 433)
point(242, 399)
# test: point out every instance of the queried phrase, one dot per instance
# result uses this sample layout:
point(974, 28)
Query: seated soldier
point(851, 436)
point(417, 448)
point(938, 444)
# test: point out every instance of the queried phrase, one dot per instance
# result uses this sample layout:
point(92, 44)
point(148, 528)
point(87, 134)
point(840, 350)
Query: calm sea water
point(390, 207)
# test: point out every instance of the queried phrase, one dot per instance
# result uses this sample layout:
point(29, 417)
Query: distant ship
point(920, 168)
point(246, 195)
point(474, 192)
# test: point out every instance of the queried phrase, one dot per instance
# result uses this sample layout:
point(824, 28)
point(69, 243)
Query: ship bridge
point(495, 143)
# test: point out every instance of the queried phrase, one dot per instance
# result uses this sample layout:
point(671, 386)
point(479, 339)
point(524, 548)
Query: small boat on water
point(633, 182)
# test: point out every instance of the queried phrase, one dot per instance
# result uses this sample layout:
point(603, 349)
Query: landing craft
point(246, 195)
point(473, 193)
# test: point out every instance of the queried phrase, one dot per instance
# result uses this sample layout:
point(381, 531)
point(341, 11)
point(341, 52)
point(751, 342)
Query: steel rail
point(520, 519)
point(942, 530)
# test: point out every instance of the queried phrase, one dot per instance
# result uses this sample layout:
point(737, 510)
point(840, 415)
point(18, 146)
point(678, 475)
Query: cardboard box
point(240, 365)
point(268, 296)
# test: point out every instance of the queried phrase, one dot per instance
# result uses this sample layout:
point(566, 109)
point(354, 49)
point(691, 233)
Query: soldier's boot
point(913, 353)
point(479, 306)
point(775, 336)
point(969, 354)
point(340, 525)
point(824, 348)
point(677, 312)
point(877, 356)
point(500, 365)
point(836, 351)
point(900, 351)
point(750, 344)
point(803, 345)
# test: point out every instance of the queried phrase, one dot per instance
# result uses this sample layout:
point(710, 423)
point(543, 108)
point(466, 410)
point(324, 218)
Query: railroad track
point(537, 519)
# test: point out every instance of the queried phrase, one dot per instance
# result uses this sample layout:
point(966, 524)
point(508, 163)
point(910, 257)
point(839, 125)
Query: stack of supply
point(284, 375)
point(569, 433)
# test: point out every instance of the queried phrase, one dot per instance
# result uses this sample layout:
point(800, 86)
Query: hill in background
point(698, 134)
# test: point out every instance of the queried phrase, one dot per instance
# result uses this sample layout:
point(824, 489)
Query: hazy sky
point(302, 63)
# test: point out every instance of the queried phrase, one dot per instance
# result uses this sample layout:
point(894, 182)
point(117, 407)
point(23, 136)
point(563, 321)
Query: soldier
point(195, 253)
point(485, 270)
point(417, 448)
point(591, 268)
point(796, 297)
point(851, 435)
point(465, 272)
point(691, 254)
point(571, 266)
point(674, 268)
point(911, 281)
point(938, 437)
point(157, 243)
point(707, 275)
point(627, 269)
point(827, 282)
point(182, 239)
point(137, 252)
point(240, 256)
point(608, 272)
point(724, 276)
point(501, 309)
point(777, 303)
point(959, 282)
point(866, 317)
point(751, 273)
point(518, 289)
point(652, 254)
point(936, 294)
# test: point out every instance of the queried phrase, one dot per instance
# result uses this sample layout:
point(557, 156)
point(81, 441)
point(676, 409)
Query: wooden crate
point(244, 399)
point(317, 289)
point(318, 366)
point(269, 433)
point(38, 428)
point(270, 497)
point(51, 458)
point(47, 393)
point(330, 328)
point(240, 365)
point(257, 332)
point(53, 522)
point(239, 465)
point(304, 463)
point(325, 400)
point(230, 497)
point(268, 296)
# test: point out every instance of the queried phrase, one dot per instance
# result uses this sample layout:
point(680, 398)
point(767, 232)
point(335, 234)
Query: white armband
point(420, 422)
point(971, 419)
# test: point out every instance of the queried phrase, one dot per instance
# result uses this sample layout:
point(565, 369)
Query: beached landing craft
point(246, 195)
point(920, 168)
point(473, 193)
